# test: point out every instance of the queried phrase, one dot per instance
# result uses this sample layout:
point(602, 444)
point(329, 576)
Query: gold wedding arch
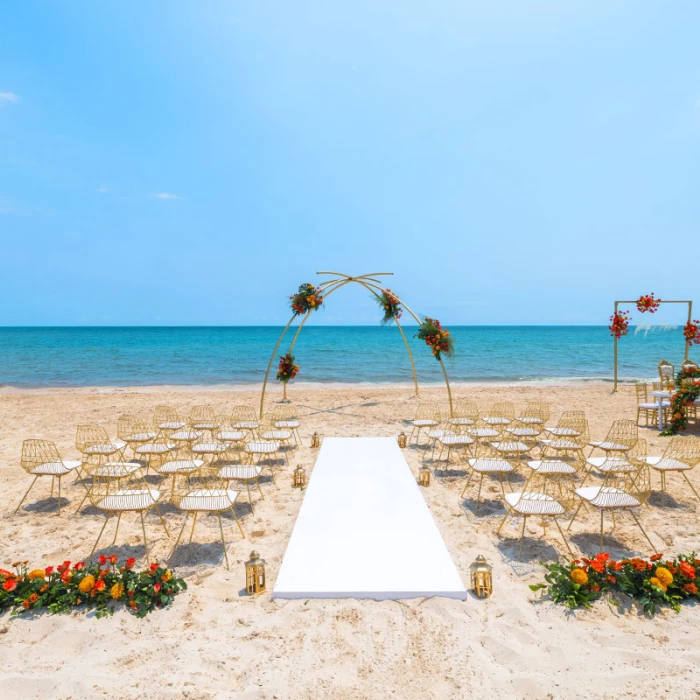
point(372, 284)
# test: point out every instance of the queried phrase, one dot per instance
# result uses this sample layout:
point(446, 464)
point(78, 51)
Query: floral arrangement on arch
point(308, 298)
point(437, 338)
point(619, 324)
point(691, 332)
point(687, 391)
point(287, 368)
point(391, 306)
point(654, 583)
point(647, 302)
point(100, 587)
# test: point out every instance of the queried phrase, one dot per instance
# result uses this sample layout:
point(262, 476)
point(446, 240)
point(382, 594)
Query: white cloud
point(164, 195)
point(102, 189)
point(8, 96)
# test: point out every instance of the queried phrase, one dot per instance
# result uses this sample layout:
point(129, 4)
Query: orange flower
point(100, 585)
point(44, 588)
point(655, 557)
point(687, 570)
point(66, 576)
point(36, 573)
point(656, 582)
point(579, 576)
point(33, 598)
point(664, 575)
point(26, 604)
point(117, 591)
point(87, 584)
point(133, 605)
point(598, 566)
point(691, 588)
point(10, 585)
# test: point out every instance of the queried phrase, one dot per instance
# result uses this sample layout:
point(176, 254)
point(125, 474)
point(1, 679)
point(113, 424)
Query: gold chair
point(203, 418)
point(230, 468)
point(499, 415)
point(156, 451)
point(167, 420)
point(427, 417)
point(268, 432)
point(465, 413)
point(285, 417)
point(667, 375)
point(535, 413)
point(621, 490)
point(203, 491)
point(568, 442)
point(129, 494)
point(484, 464)
point(180, 461)
point(458, 442)
point(245, 418)
point(681, 455)
point(620, 463)
point(41, 458)
point(621, 438)
point(208, 448)
point(548, 493)
point(93, 440)
point(259, 450)
point(134, 431)
point(645, 405)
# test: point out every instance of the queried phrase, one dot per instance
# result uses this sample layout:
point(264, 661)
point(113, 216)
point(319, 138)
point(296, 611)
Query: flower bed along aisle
point(653, 583)
point(687, 391)
point(100, 587)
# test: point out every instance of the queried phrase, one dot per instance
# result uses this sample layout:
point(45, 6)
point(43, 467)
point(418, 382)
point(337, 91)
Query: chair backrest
point(38, 452)
point(245, 414)
point(428, 410)
point(561, 487)
point(638, 452)
point(571, 415)
point(198, 487)
point(624, 432)
point(641, 388)
point(685, 449)
point(284, 412)
point(91, 434)
point(165, 414)
point(580, 425)
point(535, 409)
point(666, 373)
point(502, 409)
point(125, 425)
point(465, 409)
point(202, 414)
point(104, 485)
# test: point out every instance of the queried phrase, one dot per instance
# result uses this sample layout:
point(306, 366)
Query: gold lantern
point(315, 440)
point(424, 476)
point(481, 577)
point(255, 574)
point(402, 439)
point(299, 477)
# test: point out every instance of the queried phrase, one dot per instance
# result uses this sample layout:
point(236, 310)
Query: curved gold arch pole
point(634, 301)
point(442, 364)
point(279, 342)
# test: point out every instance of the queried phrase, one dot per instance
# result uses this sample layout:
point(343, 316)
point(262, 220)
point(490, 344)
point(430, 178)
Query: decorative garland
point(619, 325)
point(91, 587)
point(308, 298)
point(647, 302)
point(436, 337)
point(287, 369)
point(687, 390)
point(390, 305)
point(691, 332)
point(655, 584)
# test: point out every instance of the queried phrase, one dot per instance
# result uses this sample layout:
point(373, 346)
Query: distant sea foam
point(107, 356)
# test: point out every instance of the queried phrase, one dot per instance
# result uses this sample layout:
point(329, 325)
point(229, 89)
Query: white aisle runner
point(365, 531)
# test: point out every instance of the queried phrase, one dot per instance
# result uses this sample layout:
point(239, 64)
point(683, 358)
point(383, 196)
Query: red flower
point(112, 559)
point(157, 587)
point(154, 566)
point(66, 576)
point(102, 560)
point(9, 585)
point(130, 562)
point(598, 566)
point(612, 579)
point(687, 570)
point(49, 570)
point(79, 566)
point(100, 584)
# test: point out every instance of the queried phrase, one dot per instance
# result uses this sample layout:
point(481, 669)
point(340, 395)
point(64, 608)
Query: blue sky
point(192, 163)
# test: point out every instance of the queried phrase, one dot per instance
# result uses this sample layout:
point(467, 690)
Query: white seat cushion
point(523, 432)
point(208, 500)
point(171, 425)
point(436, 434)
point(424, 423)
point(667, 464)
point(129, 499)
point(207, 448)
point(116, 470)
point(139, 437)
point(511, 446)
point(562, 444)
point(530, 419)
point(648, 406)
point(205, 425)
point(287, 424)
point(180, 465)
point(496, 420)
point(240, 471)
point(563, 431)
point(461, 421)
point(490, 466)
point(262, 447)
point(483, 432)
point(154, 449)
point(276, 435)
point(611, 464)
point(455, 440)
point(56, 468)
point(105, 448)
point(185, 435)
point(607, 497)
point(610, 446)
point(529, 503)
point(551, 466)
point(231, 435)
point(247, 424)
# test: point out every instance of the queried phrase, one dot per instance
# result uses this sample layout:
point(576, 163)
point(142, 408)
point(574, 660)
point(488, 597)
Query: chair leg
point(104, 525)
point(478, 495)
point(177, 541)
point(116, 531)
point(257, 483)
point(162, 521)
point(59, 495)
point(503, 522)
point(194, 522)
point(636, 519)
point(467, 484)
point(223, 542)
point(522, 536)
point(238, 522)
point(566, 542)
point(601, 529)
point(685, 476)
point(250, 498)
point(145, 542)
point(26, 494)
point(571, 522)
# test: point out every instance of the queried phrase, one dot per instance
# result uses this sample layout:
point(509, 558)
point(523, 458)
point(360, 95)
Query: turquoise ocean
point(112, 356)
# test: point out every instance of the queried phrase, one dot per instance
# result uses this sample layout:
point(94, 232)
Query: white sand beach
point(216, 642)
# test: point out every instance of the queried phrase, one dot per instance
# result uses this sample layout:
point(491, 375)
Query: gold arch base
point(372, 284)
point(663, 301)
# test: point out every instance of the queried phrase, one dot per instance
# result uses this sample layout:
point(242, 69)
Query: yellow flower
point(36, 573)
point(87, 584)
point(664, 575)
point(166, 576)
point(117, 591)
point(655, 582)
point(579, 576)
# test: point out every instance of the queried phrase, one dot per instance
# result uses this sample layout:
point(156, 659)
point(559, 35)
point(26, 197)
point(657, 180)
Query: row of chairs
point(198, 459)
